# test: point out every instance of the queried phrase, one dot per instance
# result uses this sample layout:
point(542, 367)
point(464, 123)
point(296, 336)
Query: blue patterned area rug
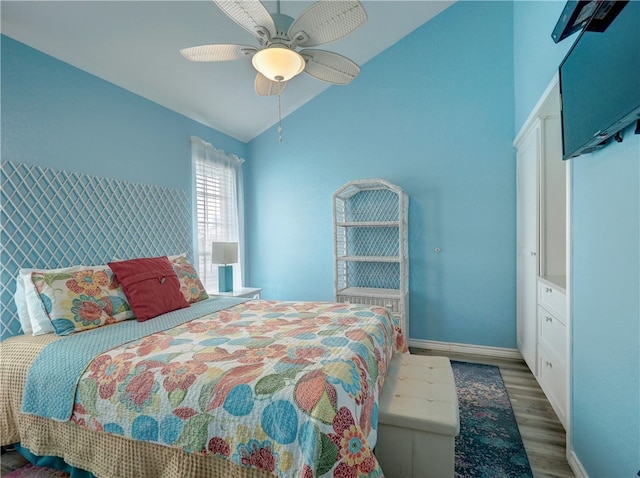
point(489, 444)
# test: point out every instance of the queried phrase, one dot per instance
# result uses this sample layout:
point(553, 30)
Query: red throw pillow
point(151, 286)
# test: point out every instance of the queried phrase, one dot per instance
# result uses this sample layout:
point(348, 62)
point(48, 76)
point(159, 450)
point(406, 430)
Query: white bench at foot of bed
point(418, 418)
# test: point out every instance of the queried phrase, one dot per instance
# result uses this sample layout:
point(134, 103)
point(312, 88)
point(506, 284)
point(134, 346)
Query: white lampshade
point(224, 253)
point(278, 63)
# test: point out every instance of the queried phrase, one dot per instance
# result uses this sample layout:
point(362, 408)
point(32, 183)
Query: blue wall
point(605, 267)
point(606, 309)
point(434, 115)
point(536, 56)
point(58, 116)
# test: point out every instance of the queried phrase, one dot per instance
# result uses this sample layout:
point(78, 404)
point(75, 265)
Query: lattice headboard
point(53, 219)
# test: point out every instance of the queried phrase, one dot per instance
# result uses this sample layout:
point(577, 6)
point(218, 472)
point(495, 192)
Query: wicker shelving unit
point(371, 261)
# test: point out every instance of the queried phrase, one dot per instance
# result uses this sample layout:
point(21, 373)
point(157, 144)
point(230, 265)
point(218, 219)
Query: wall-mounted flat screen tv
point(600, 83)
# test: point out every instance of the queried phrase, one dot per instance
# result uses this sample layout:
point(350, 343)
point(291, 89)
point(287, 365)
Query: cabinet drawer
point(552, 299)
point(392, 304)
point(552, 378)
point(552, 332)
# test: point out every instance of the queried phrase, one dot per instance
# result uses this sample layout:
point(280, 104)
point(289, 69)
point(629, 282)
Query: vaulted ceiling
point(135, 45)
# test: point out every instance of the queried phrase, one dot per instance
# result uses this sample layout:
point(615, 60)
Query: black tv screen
point(600, 83)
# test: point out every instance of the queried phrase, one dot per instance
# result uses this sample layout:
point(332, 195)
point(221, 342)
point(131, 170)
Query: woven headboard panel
point(53, 218)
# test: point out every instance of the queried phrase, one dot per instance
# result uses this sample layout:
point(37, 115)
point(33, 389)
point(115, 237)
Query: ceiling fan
point(277, 59)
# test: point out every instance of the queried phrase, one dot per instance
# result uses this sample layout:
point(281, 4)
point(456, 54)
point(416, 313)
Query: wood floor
point(9, 461)
point(541, 431)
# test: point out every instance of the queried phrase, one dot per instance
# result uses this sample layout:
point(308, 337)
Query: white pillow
point(39, 319)
point(21, 305)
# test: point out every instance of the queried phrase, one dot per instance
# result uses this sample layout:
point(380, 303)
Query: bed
point(259, 388)
point(299, 379)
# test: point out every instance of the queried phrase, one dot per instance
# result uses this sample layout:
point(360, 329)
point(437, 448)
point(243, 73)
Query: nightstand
point(251, 292)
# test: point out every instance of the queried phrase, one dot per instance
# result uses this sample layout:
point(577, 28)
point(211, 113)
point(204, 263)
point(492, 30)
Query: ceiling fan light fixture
point(278, 63)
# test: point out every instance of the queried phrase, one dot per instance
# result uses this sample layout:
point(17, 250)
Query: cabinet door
point(553, 381)
point(553, 335)
point(527, 237)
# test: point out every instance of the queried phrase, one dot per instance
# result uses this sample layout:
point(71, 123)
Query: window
point(218, 208)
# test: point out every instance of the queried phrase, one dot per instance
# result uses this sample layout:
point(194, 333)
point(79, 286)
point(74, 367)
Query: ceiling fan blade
point(250, 15)
point(265, 87)
point(326, 21)
point(329, 66)
point(218, 52)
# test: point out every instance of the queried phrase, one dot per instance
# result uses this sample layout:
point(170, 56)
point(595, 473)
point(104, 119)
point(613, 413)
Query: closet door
point(527, 237)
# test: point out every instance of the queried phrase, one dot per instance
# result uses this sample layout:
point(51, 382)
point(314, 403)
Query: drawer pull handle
point(549, 319)
point(548, 289)
point(549, 364)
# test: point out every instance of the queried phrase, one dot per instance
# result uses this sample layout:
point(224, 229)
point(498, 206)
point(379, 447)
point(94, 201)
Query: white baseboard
point(466, 349)
point(576, 466)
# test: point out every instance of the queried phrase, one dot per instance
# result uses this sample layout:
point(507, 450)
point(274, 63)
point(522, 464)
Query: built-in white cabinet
point(553, 346)
point(371, 250)
point(543, 328)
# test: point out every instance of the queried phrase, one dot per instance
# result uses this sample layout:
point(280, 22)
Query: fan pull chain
point(279, 119)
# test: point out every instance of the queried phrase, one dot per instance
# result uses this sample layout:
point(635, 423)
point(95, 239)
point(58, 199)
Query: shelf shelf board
point(371, 292)
point(369, 258)
point(368, 224)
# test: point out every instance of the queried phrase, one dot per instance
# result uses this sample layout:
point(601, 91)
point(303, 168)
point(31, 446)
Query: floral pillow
point(190, 284)
point(82, 299)
point(32, 309)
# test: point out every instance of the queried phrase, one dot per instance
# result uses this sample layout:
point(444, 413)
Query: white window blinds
point(218, 208)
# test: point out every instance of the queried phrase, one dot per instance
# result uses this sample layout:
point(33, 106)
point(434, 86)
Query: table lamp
point(224, 254)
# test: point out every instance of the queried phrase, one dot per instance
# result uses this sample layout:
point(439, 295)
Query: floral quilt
point(287, 387)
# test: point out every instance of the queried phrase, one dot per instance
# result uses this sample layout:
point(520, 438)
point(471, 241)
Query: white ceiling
point(135, 45)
